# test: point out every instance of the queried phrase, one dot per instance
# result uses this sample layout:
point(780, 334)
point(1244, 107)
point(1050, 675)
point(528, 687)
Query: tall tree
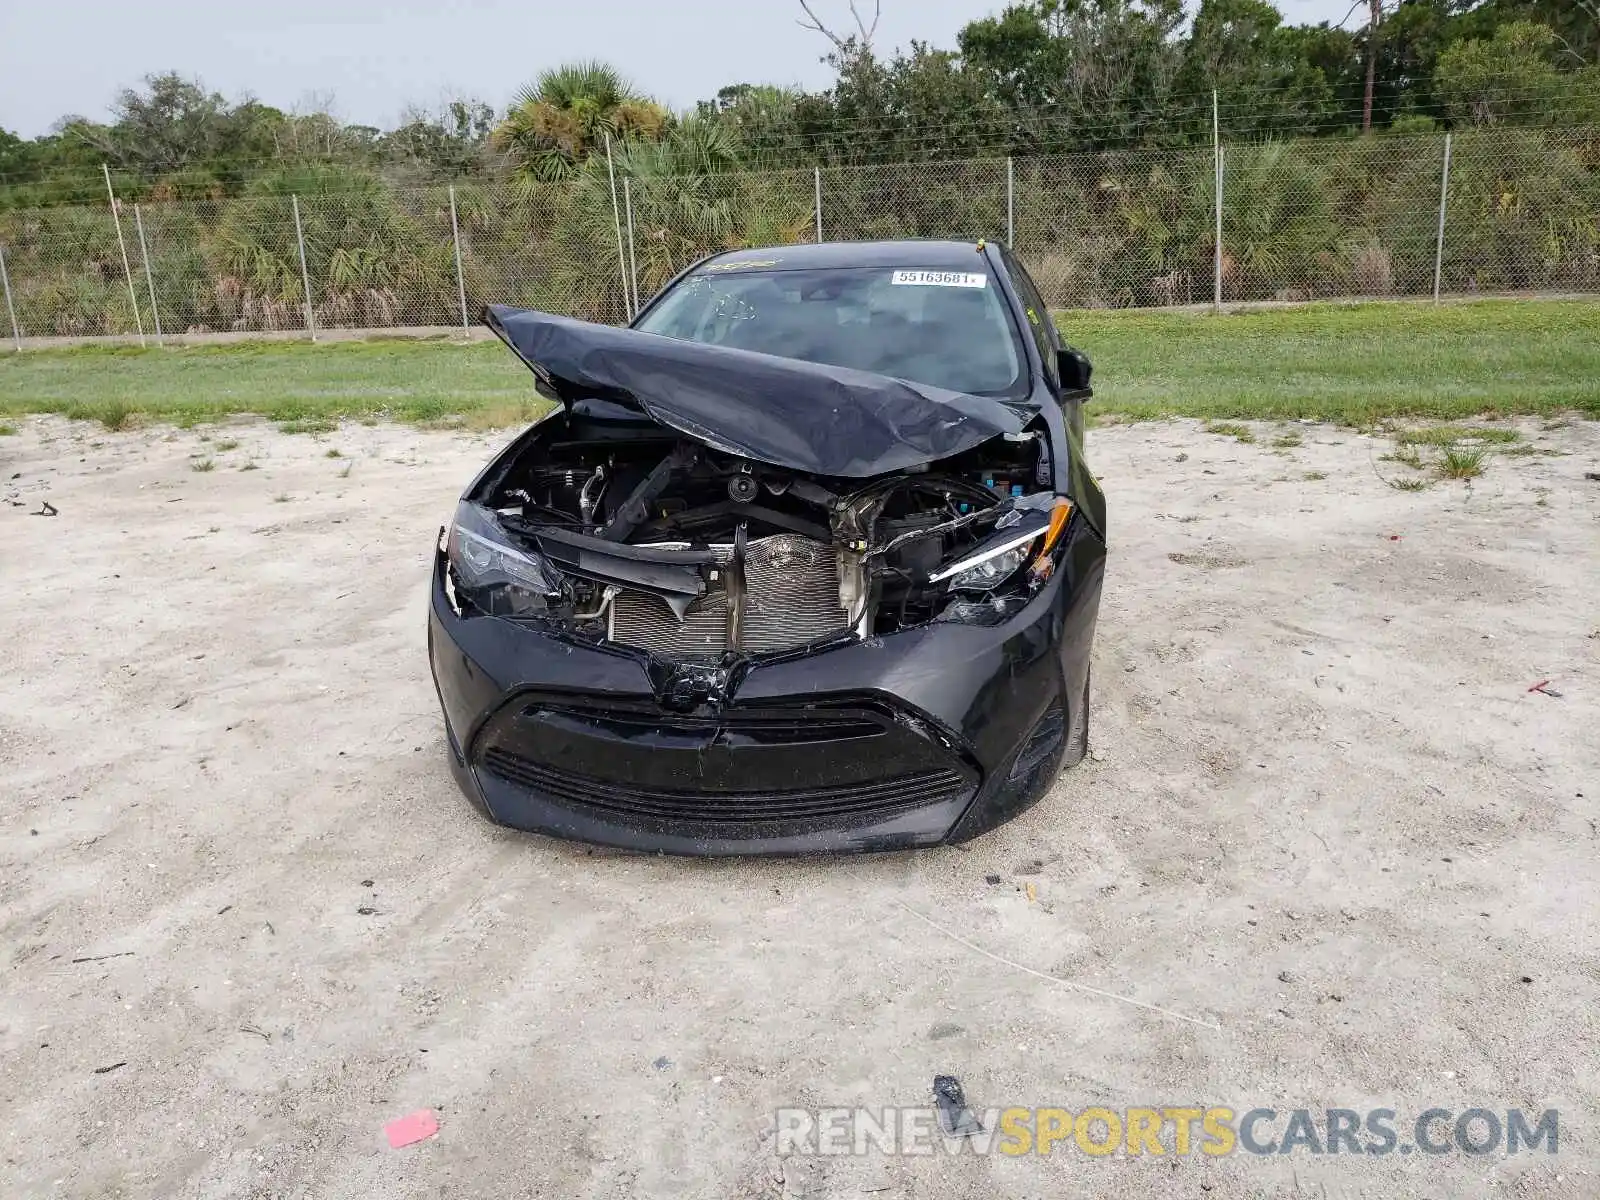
point(1081, 73)
point(1263, 72)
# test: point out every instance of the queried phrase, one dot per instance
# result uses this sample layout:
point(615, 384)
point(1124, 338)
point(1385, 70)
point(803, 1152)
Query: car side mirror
point(1074, 368)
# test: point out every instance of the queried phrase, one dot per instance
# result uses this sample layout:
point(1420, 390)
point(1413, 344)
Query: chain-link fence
point(1479, 212)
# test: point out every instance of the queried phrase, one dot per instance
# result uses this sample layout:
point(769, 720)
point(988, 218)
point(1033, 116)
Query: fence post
point(1011, 204)
point(149, 279)
point(127, 271)
point(1444, 196)
point(616, 216)
point(633, 263)
point(461, 280)
point(817, 179)
point(1216, 149)
point(5, 282)
point(305, 273)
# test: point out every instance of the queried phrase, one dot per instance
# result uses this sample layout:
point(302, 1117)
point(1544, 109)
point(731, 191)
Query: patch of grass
point(113, 414)
point(1527, 451)
point(1408, 455)
point(203, 464)
point(228, 444)
point(1314, 476)
point(8, 431)
point(1460, 462)
point(250, 466)
point(503, 416)
point(1450, 435)
point(1408, 485)
point(282, 498)
point(1286, 441)
point(333, 452)
point(1239, 433)
point(308, 425)
point(1353, 364)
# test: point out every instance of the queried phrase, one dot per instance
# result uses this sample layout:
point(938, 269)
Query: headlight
point(997, 562)
point(987, 571)
point(492, 574)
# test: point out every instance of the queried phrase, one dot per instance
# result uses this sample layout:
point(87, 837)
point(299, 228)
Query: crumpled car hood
point(805, 416)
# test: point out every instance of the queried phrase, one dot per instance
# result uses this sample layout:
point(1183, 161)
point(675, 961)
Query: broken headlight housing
point(999, 559)
point(491, 574)
point(990, 567)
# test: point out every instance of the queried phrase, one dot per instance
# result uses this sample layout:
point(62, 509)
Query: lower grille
point(855, 800)
point(791, 588)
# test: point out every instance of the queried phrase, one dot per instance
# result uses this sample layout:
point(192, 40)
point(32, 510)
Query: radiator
point(791, 598)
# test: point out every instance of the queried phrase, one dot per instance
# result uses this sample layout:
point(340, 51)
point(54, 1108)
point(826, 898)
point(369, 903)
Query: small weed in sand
point(1286, 441)
point(281, 498)
point(1315, 476)
point(333, 452)
point(1458, 462)
point(1408, 485)
point(1406, 456)
point(250, 466)
point(203, 464)
point(8, 431)
point(230, 444)
point(1239, 433)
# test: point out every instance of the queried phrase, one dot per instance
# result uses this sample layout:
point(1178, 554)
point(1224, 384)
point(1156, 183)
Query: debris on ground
point(411, 1128)
point(111, 1068)
point(955, 1118)
point(46, 509)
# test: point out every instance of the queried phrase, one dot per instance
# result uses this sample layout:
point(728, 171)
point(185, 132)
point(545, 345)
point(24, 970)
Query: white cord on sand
point(1066, 983)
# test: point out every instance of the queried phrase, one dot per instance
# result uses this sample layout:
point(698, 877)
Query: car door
point(1086, 489)
point(1044, 332)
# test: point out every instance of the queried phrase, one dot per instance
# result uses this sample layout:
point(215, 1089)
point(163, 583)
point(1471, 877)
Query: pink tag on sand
point(414, 1127)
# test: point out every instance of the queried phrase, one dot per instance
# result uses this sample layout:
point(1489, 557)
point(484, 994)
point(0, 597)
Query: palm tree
point(688, 198)
point(553, 126)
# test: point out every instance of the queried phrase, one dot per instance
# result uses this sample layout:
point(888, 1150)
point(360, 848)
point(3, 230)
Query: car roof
point(927, 253)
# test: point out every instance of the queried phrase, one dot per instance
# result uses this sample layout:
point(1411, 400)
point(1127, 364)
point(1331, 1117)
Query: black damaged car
point(806, 559)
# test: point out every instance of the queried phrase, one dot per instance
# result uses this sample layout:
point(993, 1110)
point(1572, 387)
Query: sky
point(368, 60)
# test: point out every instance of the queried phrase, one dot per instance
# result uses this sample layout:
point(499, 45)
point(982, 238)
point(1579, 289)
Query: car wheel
point(1078, 739)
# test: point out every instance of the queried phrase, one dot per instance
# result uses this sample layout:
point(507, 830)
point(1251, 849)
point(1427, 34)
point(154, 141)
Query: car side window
point(1037, 315)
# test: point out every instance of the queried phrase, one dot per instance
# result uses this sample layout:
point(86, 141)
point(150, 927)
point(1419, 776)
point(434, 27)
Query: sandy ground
point(1326, 827)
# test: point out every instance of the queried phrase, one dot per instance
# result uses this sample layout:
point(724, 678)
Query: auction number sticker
point(941, 279)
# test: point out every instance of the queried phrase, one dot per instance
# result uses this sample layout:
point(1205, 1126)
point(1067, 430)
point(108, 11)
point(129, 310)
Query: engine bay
point(678, 547)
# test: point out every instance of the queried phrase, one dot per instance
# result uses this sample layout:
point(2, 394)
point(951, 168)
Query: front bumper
point(933, 735)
